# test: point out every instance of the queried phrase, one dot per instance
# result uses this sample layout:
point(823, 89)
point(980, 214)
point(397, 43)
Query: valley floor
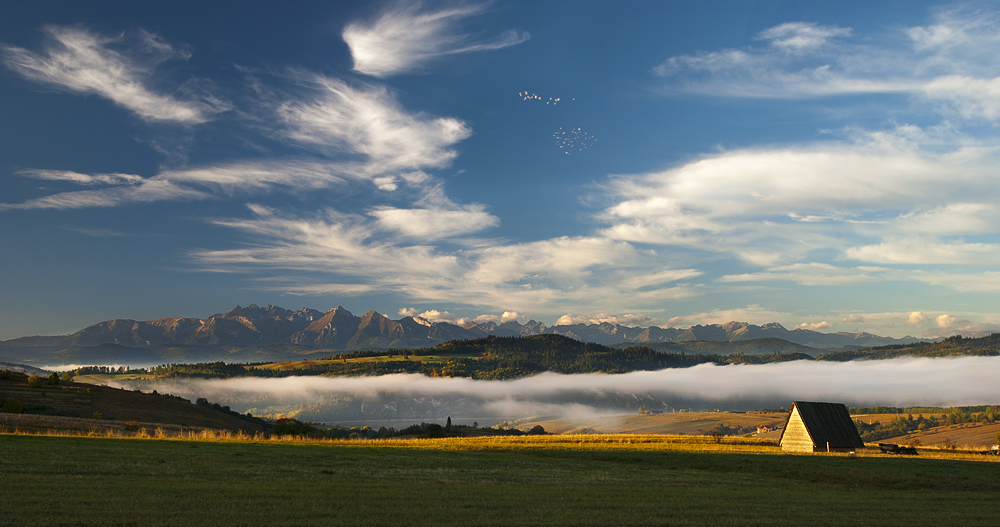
point(552, 480)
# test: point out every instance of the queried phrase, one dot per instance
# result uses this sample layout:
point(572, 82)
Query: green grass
point(88, 481)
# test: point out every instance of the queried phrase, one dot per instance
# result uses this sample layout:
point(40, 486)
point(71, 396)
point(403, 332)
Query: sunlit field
point(578, 480)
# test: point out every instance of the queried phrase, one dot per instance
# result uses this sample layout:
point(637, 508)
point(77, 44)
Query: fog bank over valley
point(898, 382)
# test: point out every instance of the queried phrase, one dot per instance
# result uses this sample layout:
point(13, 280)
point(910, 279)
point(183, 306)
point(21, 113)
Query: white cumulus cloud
point(628, 319)
point(945, 321)
point(916, 319)
point(814, 326)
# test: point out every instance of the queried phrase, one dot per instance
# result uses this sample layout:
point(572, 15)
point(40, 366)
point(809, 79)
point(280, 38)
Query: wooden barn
point(820, 427)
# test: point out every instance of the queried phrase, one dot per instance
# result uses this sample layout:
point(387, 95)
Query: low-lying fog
point(898, 382)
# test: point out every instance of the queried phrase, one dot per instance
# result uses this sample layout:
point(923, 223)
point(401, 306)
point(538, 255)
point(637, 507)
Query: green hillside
point(72, 399)
point(950, 347)
point(765, 346)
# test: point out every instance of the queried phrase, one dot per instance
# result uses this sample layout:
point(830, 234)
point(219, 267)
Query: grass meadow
point(551, 480)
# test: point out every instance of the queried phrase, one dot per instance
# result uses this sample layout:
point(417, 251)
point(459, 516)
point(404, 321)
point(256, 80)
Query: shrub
point(716, 434)
point(67, 377)
point(12, 406)
point(34, 380)
point(536, 430)
point(291, 427)
point(435, 430)
point(97, 415)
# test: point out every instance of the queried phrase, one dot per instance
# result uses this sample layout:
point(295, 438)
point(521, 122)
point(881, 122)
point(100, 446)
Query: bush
point(435, 430)
point(53, 379)
point(12, 406)
point(34, 381)
point(292, 427)
point(67, 377)
point(536, 430)
point(97, 415)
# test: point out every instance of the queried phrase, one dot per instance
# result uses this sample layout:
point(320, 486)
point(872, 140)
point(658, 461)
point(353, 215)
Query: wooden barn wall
point(796, 438)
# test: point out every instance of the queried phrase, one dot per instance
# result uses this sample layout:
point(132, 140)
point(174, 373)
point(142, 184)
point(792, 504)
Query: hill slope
point(73, 399)
point(952, 346)
point(762, 346)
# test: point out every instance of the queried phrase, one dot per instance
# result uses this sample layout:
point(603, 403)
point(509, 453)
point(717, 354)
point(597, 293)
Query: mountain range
point(339, 329)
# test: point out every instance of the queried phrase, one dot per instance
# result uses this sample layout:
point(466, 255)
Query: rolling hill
point(72, 399)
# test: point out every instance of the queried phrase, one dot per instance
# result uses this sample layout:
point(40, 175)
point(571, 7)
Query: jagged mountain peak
point(372, 315)
point(338, 311)
point(511, 324)
point(255, 312)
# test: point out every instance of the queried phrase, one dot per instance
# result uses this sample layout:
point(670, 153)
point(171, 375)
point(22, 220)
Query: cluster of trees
point(286, 426)
point(8, 375)
point(88, 370)
point(201, 401)
point(291, 427)
point(725, 429)
point(12, 406)
point(901, 425)
point(51, 380)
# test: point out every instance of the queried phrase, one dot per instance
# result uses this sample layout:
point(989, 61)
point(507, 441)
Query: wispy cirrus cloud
point(963, 282)
point(812, 273)
point(945, 62)
point(543, 276)
point(190, 184)
point(81, 179)
point(130, 193)
point(334, 118)
point(917, 250)
point(118, 68)
point(406, 36)
point(353, 134)
point(797, 37)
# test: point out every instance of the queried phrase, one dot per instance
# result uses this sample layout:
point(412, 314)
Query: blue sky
point(829, 166)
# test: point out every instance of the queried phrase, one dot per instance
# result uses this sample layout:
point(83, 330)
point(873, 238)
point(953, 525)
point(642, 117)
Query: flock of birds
point(534, 97)
point(569, 141)
point(573, 139)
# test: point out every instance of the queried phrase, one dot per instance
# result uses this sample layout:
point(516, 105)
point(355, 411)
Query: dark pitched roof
point(829, 422)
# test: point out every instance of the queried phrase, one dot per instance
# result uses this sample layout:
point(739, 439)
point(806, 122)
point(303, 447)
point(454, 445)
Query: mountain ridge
point(339, 329)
